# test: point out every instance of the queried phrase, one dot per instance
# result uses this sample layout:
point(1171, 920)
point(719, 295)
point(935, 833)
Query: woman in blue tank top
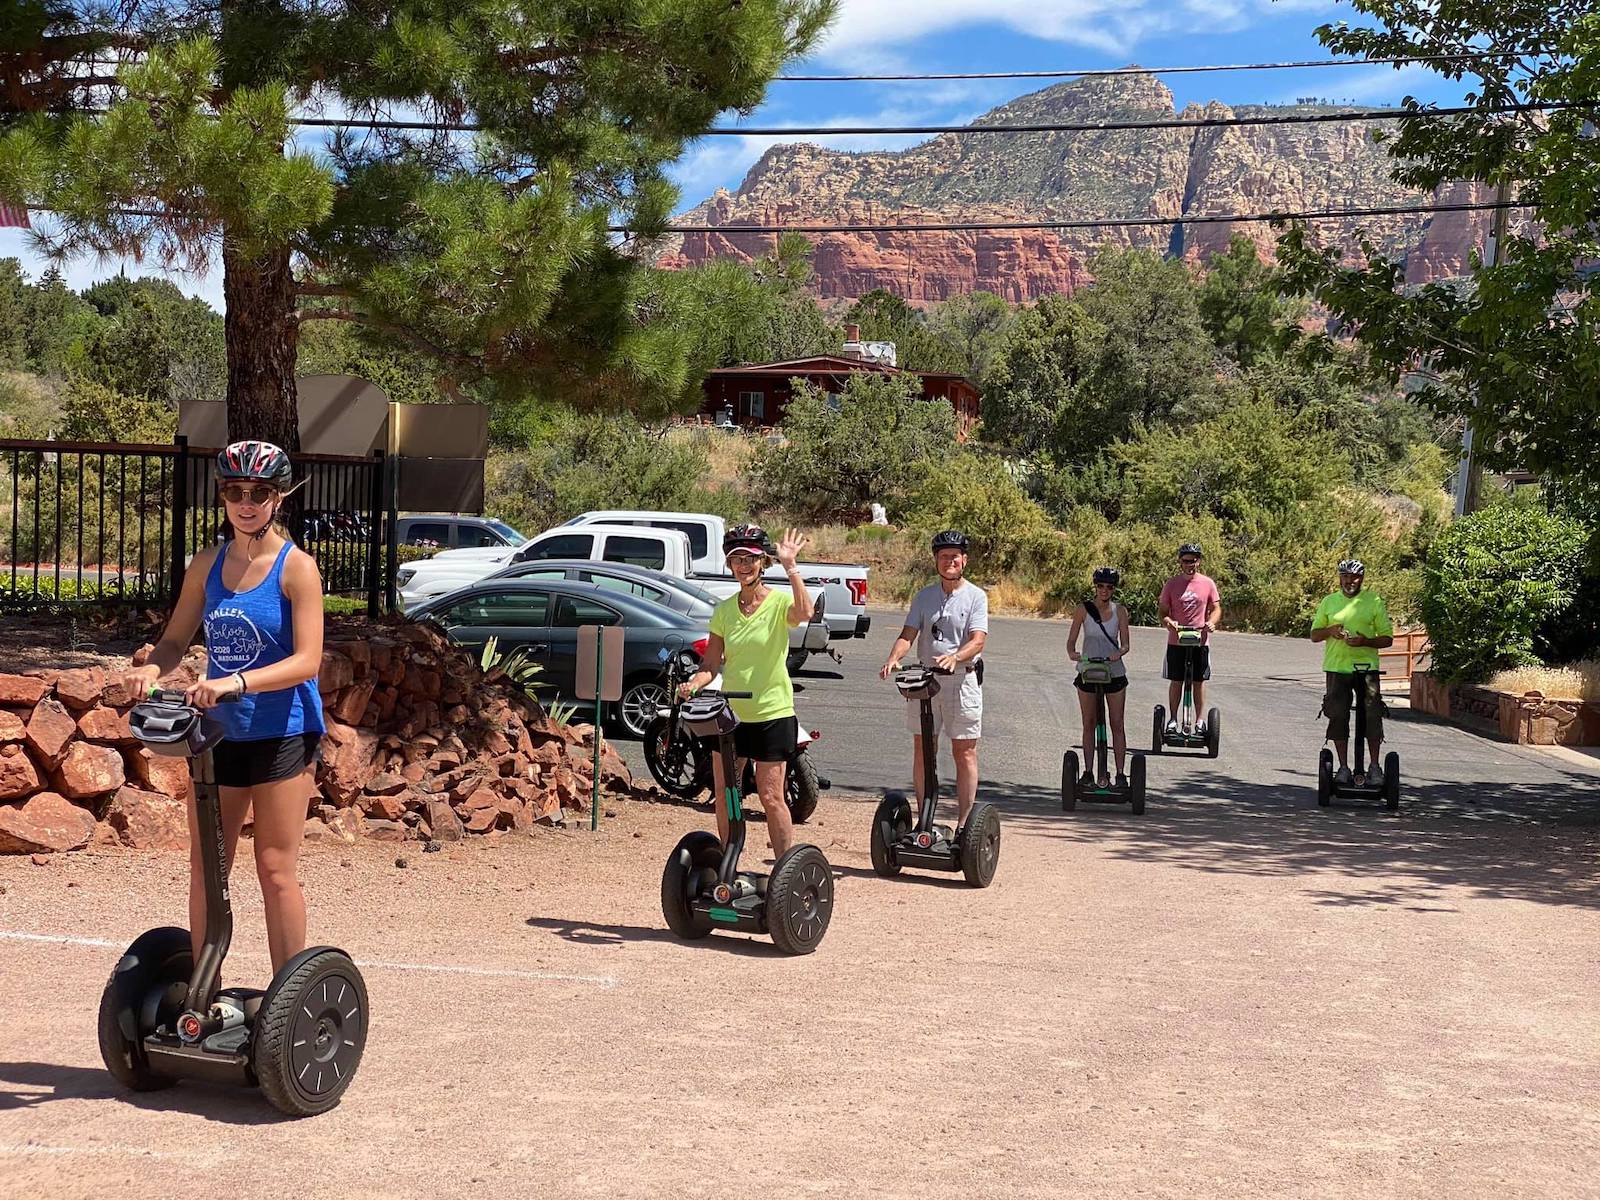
point(259, 597)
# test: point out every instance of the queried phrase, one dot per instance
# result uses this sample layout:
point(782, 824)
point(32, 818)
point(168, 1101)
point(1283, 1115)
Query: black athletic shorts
point(1176, 656)
point(1109, 688)
point(245, 764)
point(767, 741)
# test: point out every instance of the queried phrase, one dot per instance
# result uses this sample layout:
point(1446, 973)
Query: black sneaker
point(1086, 782)
point(1122, 782)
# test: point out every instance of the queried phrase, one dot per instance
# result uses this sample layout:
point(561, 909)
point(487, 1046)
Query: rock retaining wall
point(420, 745)
point(1529, 719)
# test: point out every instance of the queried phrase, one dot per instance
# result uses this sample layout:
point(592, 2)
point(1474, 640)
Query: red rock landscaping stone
point(87, 770)
point(443, 821)
point(169, 776)
point(49, 730)
point(48, 823)
point(80, 689)
point(12, 726)
point(18, 776)
point(148, 820)
point(102, 724)
point(23, 691)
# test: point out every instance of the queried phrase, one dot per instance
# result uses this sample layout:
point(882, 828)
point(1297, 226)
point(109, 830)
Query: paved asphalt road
point(1268, 690)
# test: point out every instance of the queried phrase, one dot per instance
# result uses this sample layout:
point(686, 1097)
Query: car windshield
point(505, 531)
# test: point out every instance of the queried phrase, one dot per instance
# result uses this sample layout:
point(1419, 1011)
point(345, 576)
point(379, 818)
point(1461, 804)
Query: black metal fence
point(109, 523)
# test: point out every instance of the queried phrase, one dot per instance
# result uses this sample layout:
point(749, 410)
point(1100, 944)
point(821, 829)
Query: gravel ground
point(1106, 1020)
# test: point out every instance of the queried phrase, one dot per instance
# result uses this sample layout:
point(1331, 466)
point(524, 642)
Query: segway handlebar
point(727, 695)
point(179, 696)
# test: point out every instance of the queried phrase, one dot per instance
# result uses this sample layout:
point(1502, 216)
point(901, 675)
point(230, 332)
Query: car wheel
point(640, 706)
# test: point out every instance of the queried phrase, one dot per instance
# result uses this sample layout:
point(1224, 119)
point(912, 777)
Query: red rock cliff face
point(1072, 177)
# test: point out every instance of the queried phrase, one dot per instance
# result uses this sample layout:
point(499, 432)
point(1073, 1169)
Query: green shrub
point(1491, 580)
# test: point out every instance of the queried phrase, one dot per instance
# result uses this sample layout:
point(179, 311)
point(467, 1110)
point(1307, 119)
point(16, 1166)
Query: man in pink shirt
point(1189, 600)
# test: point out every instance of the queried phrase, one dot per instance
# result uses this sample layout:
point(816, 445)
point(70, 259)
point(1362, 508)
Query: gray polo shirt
point(944, 619)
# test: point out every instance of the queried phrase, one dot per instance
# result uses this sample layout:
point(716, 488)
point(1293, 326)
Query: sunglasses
point(1190, 562)
point(237, 493)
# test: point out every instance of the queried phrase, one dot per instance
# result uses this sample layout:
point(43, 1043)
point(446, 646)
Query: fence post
point(374, 528)
point(180, 517)
point(392, 566)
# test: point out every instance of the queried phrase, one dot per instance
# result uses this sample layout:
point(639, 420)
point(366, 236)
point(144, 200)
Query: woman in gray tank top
point(1103, 625)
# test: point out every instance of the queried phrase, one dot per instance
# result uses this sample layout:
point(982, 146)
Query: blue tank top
point(246, 630)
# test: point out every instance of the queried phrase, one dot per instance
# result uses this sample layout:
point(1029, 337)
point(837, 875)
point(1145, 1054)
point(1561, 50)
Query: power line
point(1103, 73)
point(1380, 114)
point(1092, 223)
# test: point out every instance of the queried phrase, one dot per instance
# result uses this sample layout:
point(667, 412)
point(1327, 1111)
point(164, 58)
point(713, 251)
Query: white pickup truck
point(666, 551)
point(844, 584)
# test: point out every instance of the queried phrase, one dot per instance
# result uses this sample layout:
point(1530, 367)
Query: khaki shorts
point(957, 709)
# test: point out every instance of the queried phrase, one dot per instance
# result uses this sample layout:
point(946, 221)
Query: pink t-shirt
point(1187, 599)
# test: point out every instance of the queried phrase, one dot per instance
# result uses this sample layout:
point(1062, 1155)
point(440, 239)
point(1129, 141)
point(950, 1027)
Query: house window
point(753, 405)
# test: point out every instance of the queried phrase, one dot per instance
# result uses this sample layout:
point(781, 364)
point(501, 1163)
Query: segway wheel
point(799, 900)
point(890, 823)
point(1213, 733)
point(311, 1031)
point(1069, 780)
point(146, 989)
point(1325, 778)
point(692, 862)
point(1391, 781)
point(801, 788)
point(980, 845)
point(1158, 734)
point(680, 768)
point(1136, 784)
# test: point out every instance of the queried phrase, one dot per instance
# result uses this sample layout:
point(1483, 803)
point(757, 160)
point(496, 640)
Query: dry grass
point(1575, 681)
point(727, 452)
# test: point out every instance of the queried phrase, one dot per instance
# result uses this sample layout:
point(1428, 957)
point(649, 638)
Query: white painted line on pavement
point(601, 981)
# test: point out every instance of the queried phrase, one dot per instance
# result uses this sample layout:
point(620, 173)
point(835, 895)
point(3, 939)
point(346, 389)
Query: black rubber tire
point(799, 900)
point(1325, 778)
point(313, 1023)
point(1213, 733)
point(694, 854)
point(146, 988)
point(801, 789)
point(1069, 781)
point(890, 823)
point(980, 844)
point(684, 770)
point(796, 659)
point(1158, 727)
point(1391, 781)
point(1136, 784)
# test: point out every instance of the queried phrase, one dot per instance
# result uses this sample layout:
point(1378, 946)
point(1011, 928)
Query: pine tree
point(487, 249)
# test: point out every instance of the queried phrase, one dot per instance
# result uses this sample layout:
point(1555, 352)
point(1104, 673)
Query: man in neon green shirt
point(1353, 626)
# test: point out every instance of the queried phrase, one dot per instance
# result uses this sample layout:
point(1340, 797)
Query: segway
point(702, 887)
point(162, 1016)
point(973, 850)
point(1105, 790)
point(1188, 735)
point(1388, 785)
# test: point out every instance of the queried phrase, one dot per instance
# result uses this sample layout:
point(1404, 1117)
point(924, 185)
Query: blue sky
point(894, 36)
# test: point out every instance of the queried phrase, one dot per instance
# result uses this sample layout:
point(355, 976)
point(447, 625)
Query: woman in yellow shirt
point(749, 644)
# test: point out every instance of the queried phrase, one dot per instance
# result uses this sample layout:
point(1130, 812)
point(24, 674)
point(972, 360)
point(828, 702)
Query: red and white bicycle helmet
point(254, 460)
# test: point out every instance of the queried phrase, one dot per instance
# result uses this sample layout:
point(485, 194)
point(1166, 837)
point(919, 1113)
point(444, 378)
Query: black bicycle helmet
point(1353, 566)
point(1108, 575)
point(255, 461)
point(950, 539)
point(173, 730)
point(1190, 548)
point(750, 538)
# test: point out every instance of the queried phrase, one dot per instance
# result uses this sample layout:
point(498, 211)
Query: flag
point(13, 214)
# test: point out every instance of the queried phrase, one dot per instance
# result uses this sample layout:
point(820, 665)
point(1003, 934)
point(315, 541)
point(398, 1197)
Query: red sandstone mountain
point(1072, 176)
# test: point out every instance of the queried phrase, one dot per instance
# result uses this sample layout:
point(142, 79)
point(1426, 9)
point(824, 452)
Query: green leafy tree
point(1038, 369)
point(1242, 306)
point(1153, 358)
point(973, 326)
point(1513, 350)
point(1492, 580)
point(885, 317)
point(57, 326)
point(13, 314)
point(490, 252)
point(839, 453)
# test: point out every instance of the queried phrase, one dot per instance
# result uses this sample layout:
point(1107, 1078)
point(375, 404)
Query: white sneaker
point(1172, 729)
point(1343, 777)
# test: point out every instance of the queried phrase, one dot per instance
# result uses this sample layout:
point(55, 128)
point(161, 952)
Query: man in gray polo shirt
point(949, 622)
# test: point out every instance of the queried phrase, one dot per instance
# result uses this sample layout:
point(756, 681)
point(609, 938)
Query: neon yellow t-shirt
point(1364, 614)
point(753, 652)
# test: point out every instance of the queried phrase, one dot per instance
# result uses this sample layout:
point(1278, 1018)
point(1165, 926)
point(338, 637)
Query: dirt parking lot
point(1106, 1020)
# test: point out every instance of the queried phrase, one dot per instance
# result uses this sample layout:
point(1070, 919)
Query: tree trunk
point(262, 338)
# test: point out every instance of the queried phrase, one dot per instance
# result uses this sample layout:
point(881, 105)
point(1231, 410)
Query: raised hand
point(789, 548)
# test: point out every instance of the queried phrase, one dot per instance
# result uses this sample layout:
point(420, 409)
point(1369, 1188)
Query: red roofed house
point(755, 395)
